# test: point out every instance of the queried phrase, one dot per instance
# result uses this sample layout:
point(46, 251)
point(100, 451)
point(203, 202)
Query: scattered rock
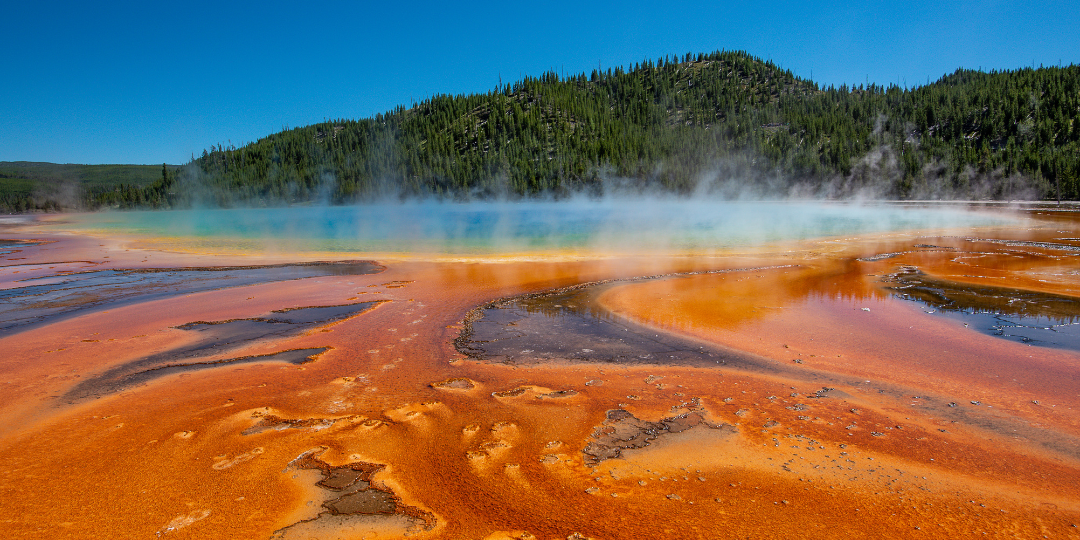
point(458, 383)
point(512, 393)
point(352, 493)
point(621, 430)
point(272, 422)
point(558, 394)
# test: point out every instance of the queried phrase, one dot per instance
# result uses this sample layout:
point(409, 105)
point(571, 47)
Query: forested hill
point(35, 186)
point(725, 123)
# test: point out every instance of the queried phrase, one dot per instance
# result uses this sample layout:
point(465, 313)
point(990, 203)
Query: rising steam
point(579, 224)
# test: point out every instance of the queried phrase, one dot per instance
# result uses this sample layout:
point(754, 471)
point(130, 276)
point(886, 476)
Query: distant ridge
point(31, 185)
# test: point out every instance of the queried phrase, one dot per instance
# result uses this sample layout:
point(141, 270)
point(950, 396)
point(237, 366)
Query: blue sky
point(118, 82)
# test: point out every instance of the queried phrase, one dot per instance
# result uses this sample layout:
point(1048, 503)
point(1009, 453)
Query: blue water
point(1037, 330)
point(617, 225)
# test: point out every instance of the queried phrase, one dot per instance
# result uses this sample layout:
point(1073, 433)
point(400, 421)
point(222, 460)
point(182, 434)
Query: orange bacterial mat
point(835, 388)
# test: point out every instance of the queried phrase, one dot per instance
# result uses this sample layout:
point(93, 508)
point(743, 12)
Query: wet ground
point(1031, 317)
point(217, 341)
point(567, 326)
point(49, 297)
point(838, 388)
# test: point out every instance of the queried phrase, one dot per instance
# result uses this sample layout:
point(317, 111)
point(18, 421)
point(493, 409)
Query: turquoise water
point(615, 225)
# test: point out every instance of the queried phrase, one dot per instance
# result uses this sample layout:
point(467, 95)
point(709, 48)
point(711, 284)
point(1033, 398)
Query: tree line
point(52, 187)
point(724, 123)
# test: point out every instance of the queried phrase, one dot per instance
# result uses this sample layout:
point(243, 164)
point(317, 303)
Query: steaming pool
point(508, 227)
point(580, 369)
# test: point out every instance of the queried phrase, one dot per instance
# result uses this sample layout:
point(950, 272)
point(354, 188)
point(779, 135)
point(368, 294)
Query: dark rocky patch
point(351, 492)
point(512, 393)
point(621, 431)
point(881, 256)
point(558, 394)
point(458, 383)
point(1027, 243)
point(272, 422)
point(566, 325)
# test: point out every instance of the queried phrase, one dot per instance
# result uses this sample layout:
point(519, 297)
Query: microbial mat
point(552, 370)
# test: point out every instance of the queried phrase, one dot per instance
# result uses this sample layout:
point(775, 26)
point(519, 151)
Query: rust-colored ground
point(883, 422)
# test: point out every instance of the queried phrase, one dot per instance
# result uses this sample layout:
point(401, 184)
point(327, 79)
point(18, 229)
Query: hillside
point(724, 123)
point(27, 186)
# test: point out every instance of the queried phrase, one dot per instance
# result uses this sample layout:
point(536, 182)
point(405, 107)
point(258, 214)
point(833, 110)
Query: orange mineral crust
point(741, 395)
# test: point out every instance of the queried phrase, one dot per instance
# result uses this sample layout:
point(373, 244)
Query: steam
point(893, 169)
point(584, 225)
point(739, 198)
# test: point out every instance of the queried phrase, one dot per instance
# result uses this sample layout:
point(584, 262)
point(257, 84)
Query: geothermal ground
point(903, 385)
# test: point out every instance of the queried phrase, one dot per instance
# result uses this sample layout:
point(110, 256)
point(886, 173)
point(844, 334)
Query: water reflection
point(8, 247)
point(1032, 317)
point(732, 300)
point(578, 323)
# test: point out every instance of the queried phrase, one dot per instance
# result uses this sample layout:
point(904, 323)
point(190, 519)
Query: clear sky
point(153, 82)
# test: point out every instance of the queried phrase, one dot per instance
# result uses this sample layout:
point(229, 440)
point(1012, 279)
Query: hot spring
point(583, 226)
point(575, 369)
